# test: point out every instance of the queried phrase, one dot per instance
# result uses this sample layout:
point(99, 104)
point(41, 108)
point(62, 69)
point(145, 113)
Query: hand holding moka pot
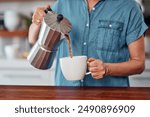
point(53, 29)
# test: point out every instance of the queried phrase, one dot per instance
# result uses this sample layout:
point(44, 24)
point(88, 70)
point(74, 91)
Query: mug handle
point(88, 73)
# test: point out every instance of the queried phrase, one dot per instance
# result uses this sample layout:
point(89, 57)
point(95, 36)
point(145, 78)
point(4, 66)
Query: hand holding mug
point(97, 68)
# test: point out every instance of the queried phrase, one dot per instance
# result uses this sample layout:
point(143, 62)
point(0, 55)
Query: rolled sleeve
point(136, 25)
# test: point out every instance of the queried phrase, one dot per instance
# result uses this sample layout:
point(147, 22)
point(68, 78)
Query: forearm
point(135, 65)
point(33, 33)
point(126, 68)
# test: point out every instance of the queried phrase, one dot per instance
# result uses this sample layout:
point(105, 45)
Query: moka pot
point(53, 29)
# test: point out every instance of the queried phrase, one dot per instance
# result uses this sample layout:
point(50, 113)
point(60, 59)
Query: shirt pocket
point(109, 35)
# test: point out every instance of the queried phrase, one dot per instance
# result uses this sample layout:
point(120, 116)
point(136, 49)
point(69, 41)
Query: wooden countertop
point(69, 93)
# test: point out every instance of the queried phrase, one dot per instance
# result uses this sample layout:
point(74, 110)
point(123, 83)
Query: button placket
point(86, 33)
point(87, 25)
point(84, 43)
point(110, 25)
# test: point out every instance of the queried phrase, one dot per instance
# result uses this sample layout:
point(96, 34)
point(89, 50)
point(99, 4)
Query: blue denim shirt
point(104, 34)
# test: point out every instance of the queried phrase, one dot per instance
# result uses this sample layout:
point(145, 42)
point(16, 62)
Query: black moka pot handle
point(60, 17)
point(47, 10)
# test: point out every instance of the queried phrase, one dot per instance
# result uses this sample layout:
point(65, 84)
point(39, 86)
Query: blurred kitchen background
point(15, 18)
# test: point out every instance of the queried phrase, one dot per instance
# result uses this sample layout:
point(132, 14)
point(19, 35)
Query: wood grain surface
point(71, 93)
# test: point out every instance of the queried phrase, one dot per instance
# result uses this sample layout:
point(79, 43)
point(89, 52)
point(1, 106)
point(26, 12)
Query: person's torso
point(99, 34)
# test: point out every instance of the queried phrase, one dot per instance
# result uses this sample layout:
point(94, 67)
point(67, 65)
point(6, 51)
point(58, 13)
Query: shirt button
point(93, 8)
point(110, 25)
point(87, 25)
point(82, 81)
point(84, 43)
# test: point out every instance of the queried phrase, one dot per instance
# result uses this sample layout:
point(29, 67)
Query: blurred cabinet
point(142, 80)
point(19, 72)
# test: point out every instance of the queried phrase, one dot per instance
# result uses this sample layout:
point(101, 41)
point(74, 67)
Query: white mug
point(11, 20)
point(74, 68)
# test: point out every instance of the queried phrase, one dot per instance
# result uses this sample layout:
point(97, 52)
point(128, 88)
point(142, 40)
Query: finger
point(92, 64)
point(98, 77)
point(94, 75)
point(37, 16)
point(93, 69)
point(41, 12)
point(101, 68)
point(37, 20)
point(91, 59)
point(98, 74)
point(96, 68)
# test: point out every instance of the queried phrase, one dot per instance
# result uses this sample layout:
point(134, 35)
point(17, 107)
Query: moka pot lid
point(58, 22)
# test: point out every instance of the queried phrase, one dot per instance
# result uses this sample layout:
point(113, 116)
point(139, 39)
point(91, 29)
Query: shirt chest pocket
point(108, 35)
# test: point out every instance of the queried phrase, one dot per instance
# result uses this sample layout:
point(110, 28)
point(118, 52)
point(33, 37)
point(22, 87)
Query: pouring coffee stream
point(69, 45)
point(55, 27)
point(60, 17)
